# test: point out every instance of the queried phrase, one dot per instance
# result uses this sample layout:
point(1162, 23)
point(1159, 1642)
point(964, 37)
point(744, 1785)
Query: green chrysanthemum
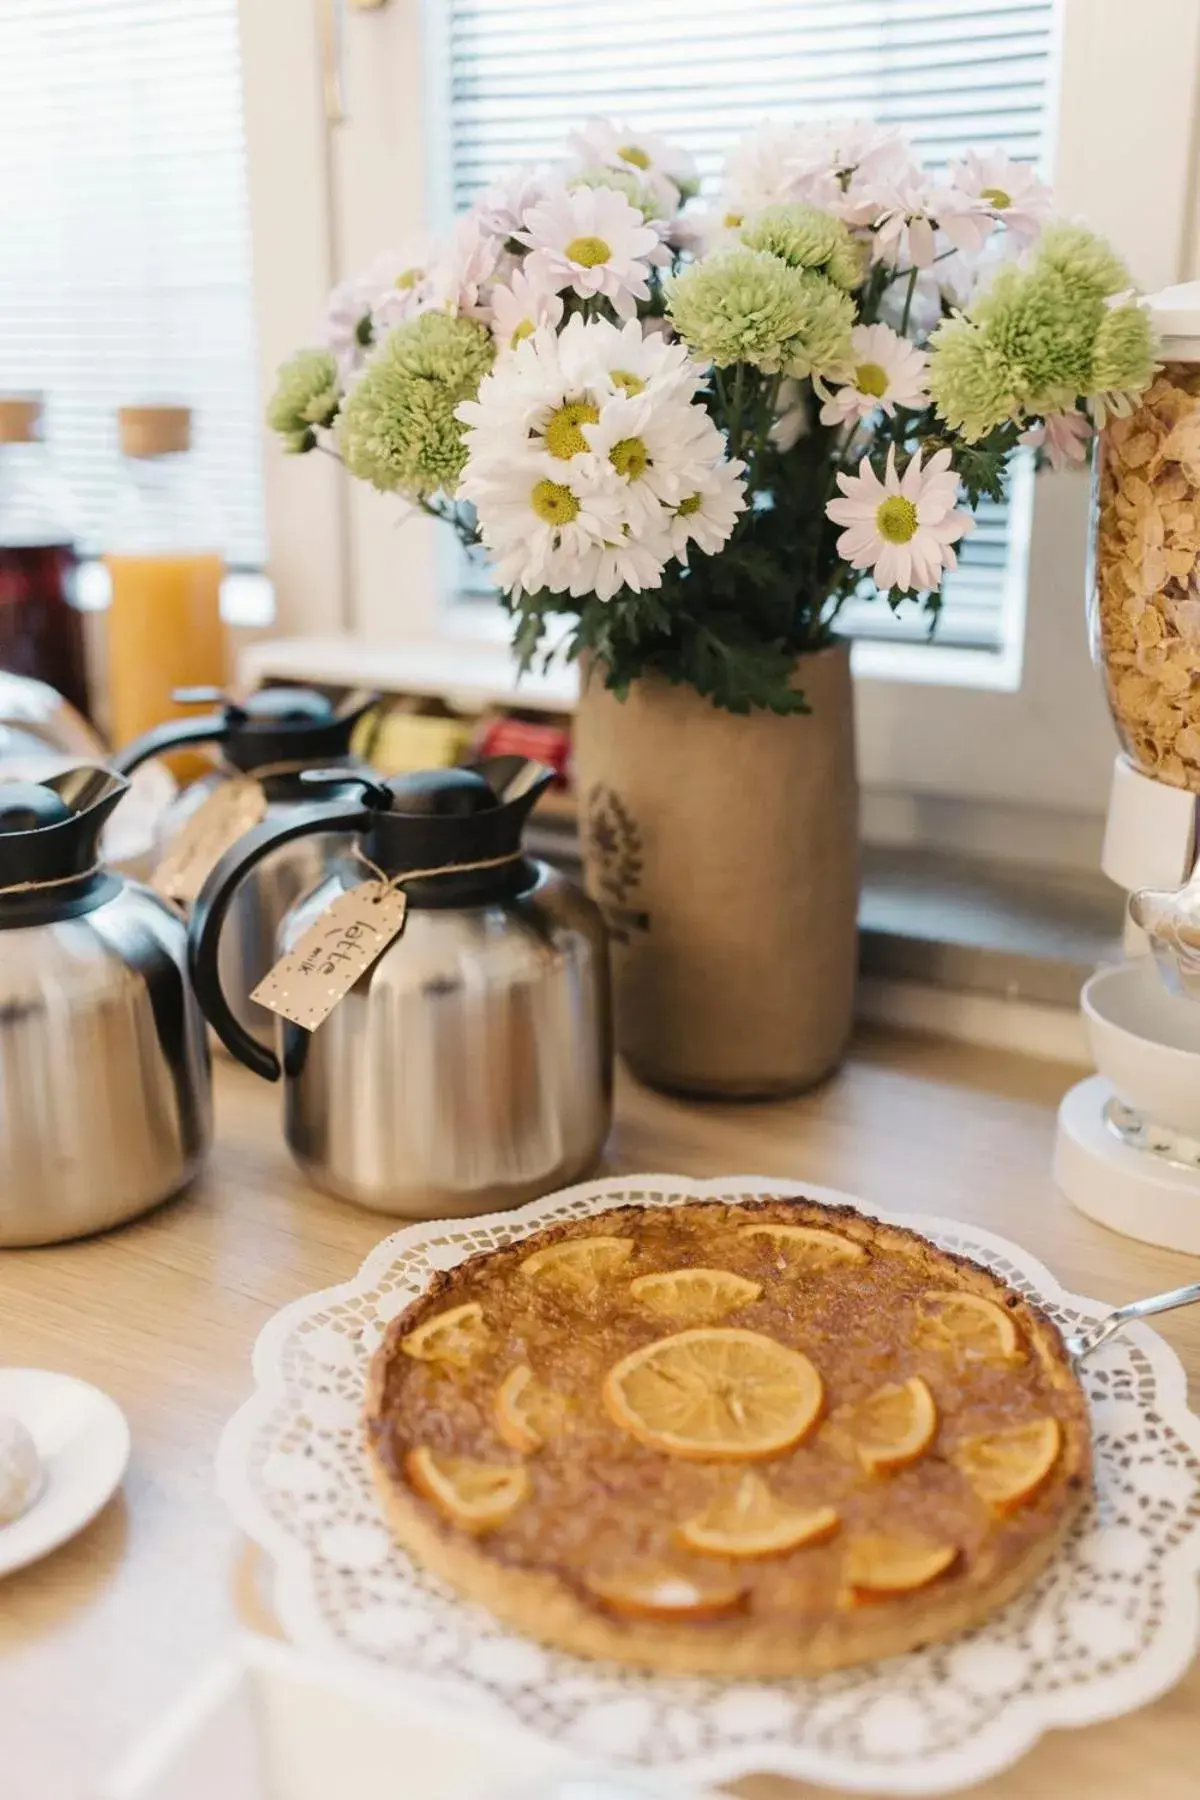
point(306, 395)
point(748, 306)
point(972, 383)
point(639, 193)
point(1040, 338)
point(806, 238)
point(1123, 358)
point(398, 429)
point(1082, 258)
point(1044, 327)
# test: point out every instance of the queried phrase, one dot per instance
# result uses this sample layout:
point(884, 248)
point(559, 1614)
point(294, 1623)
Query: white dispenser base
point(1137, 1192)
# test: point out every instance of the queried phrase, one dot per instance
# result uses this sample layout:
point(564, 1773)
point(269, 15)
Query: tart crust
point(600, 1502)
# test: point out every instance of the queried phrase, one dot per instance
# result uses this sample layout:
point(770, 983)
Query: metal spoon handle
point(1103, 1329)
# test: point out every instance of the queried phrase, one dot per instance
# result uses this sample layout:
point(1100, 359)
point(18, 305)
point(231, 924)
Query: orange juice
point(164, 632)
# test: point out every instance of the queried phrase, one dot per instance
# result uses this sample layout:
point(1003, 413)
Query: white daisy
point(1010, 190)
point(903, 527)
point(520, 395)
point(886, 371)
point(622, 561)
point(520, 306)
point(627, 358)
point(707, 515)
point(1064, 436)
point(669, 169)
point(658, 447)
point(592, 240)
point(537, 527)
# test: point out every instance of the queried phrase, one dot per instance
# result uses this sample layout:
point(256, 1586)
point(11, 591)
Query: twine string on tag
point(391, 882)
point(30, 887)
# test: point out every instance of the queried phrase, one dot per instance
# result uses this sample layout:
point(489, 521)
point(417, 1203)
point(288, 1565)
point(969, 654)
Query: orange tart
point(757, 1439)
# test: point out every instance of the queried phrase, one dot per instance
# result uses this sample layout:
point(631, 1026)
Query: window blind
point(956, 74)
point(125, 273)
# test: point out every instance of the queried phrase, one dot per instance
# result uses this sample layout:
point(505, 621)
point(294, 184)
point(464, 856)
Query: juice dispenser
point(165, 563)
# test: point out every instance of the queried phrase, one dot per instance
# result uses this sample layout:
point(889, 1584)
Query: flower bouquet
point(692, 432)
point(696, 430)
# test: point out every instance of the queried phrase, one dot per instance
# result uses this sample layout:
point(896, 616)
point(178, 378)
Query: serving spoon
point(1082, 1343)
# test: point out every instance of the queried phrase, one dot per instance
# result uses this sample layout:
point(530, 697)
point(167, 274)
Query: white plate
point(82, 1439)
point(1112, 1623)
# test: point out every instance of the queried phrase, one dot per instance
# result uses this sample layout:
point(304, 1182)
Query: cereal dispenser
point(1128, 1145)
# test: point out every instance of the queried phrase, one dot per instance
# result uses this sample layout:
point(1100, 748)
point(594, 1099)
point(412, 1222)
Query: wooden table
point(98, 1637)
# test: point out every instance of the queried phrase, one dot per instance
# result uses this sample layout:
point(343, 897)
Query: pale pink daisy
point(885, 371)
point(501, 208)
point(906, 215)
point(1010, 190)
point(903, 527)
point(459, 275)
point(592, 240)
point(1063, 436)
point(520, 306)
point(669, 169)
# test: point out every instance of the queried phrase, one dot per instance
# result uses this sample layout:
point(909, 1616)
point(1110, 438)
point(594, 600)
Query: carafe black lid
point(288, 726)
point(445, 818)
point(50, 830)
point(30, 806)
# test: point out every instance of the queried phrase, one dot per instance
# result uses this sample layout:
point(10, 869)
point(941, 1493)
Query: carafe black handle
point(212, 908)
point(176, 734)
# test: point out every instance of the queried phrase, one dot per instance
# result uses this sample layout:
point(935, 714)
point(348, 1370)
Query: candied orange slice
point(648, 1592)
point(879, 1568)
point(526, 1412)
point(714, 1394)
point(968, 1324)
point(578, 1265)
point(890, 1428)
point(752, 1521)
point(807, 1246)
point(694, 1296)
point(1006, 1468)
point(476, 1495)
point(457, 1336)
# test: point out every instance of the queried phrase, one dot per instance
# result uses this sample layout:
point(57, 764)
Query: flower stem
point(908, 300)
point(770, 392)
point(735, 418)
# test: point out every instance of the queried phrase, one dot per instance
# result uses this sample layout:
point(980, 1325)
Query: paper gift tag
point(218, 822)
point(322, 966)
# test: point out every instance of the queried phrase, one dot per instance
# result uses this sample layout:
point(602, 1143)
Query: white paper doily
point(1112, 1623)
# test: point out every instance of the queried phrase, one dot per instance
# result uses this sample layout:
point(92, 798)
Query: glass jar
point(1144, 564)
point(41, 632)
point(165, 565)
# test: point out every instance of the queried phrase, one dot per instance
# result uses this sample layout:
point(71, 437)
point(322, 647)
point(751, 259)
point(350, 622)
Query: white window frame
point(952, 744)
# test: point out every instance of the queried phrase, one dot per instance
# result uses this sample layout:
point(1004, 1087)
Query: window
point(989, 753)
point(126, 265)
point(955, 74)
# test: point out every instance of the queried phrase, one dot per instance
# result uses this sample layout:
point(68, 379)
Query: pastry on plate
point(755, 1439)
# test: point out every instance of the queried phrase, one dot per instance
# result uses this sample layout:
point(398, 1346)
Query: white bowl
point(1146, 1041)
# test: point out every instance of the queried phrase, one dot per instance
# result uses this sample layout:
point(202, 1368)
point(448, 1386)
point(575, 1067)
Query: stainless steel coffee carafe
point(273, 737)
point(104, 1081)
point(470, 1067)
point(36, 720)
